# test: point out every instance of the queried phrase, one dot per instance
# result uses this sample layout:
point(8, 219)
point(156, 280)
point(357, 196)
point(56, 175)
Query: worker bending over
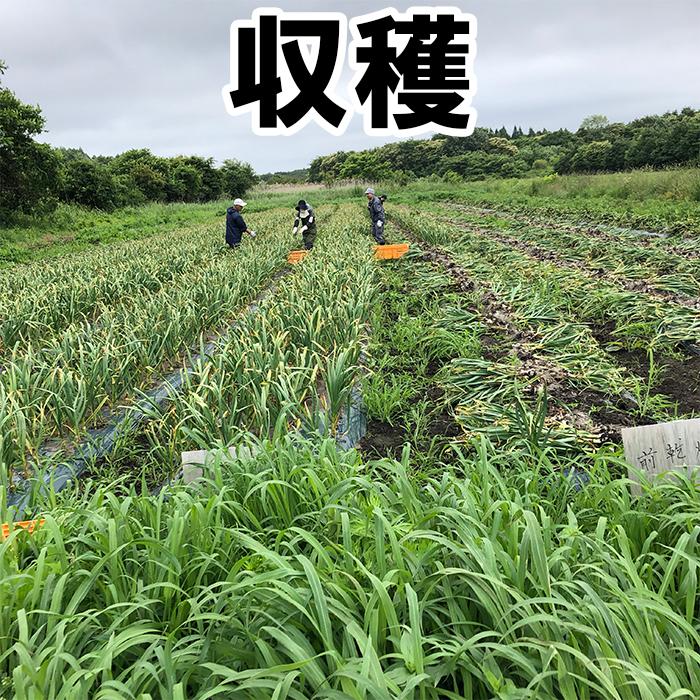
point(305, 223)
point(377, 215)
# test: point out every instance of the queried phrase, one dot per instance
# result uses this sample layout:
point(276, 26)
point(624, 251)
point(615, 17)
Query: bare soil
point(383, 440)
point(678, 379)
point(589, 409)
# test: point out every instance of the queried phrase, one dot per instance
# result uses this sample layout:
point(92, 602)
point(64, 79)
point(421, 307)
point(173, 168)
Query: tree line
point(671, 139)
point(35, 177)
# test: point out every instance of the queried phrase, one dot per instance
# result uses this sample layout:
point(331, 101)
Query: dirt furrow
point(497, 315)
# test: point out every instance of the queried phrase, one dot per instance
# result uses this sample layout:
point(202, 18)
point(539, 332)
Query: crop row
point(532, 380)
point(40, 300)
point(655, 271)
point(656, 245)
point(534, 371)
point(63, 383)
point(640, 319)
point(408, 346)
point(677, 220)
point(290, 366)
point(291, 360)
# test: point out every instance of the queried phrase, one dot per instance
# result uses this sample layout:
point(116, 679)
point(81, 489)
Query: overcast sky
point(119, 74)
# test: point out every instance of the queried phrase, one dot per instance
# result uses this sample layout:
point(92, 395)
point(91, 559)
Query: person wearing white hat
point(235, 225)
point(377, 215)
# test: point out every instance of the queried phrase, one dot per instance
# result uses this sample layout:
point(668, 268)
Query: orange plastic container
point(28, 525)
point(296, 256)
point(390, 252)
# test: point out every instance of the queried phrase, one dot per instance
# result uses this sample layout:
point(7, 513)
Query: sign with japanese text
point(411, 73)
point(654, 449)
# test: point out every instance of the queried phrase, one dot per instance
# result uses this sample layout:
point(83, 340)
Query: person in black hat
point(305, 223)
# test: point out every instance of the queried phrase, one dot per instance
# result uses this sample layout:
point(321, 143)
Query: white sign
point(194, 463)
point(654, 449)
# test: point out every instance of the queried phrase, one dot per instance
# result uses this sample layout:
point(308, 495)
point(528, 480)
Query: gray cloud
point(122, 74)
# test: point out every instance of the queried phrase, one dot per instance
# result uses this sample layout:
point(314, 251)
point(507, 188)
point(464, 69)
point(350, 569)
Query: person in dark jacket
point(305, 223)
point(377, 215)
point(235, 225)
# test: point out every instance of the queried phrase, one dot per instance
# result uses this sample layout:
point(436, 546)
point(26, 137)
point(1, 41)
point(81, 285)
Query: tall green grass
point(678, 185)
point(659, 200)
point(303, 573)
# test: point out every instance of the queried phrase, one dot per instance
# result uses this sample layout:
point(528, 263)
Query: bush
point(237, 178)
point(90, 184)
point(592, 157)
point(452, 177)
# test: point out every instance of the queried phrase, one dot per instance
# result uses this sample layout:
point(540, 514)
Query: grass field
point(482, 539)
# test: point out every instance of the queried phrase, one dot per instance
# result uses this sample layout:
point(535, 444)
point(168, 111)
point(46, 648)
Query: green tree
point(452, 177)
point(454, 145)
point(595, 122)
point(561, 137)
point(90, 184)
point(70, 154)
point(29, 171)
point(327, 169)
point(237, 178)
point(501, 145)
point(478, 165)
point(315, 174)
point(288, 177)
point(184, 181)
point(147, 173)
point(591, 157)
point(210, 177)
point(367, 165)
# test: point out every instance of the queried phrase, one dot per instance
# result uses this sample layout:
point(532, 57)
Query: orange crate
point(28, 525)
point(296, 256)
point(390, 252)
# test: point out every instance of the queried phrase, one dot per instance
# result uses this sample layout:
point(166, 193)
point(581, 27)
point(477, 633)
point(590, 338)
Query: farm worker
point(305, 223)
point(377, 215)
point(235, 225)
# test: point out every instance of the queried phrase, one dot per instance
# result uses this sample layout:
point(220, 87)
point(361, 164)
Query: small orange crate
point(296, 256)
point(28, 525)
point(390, 252)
